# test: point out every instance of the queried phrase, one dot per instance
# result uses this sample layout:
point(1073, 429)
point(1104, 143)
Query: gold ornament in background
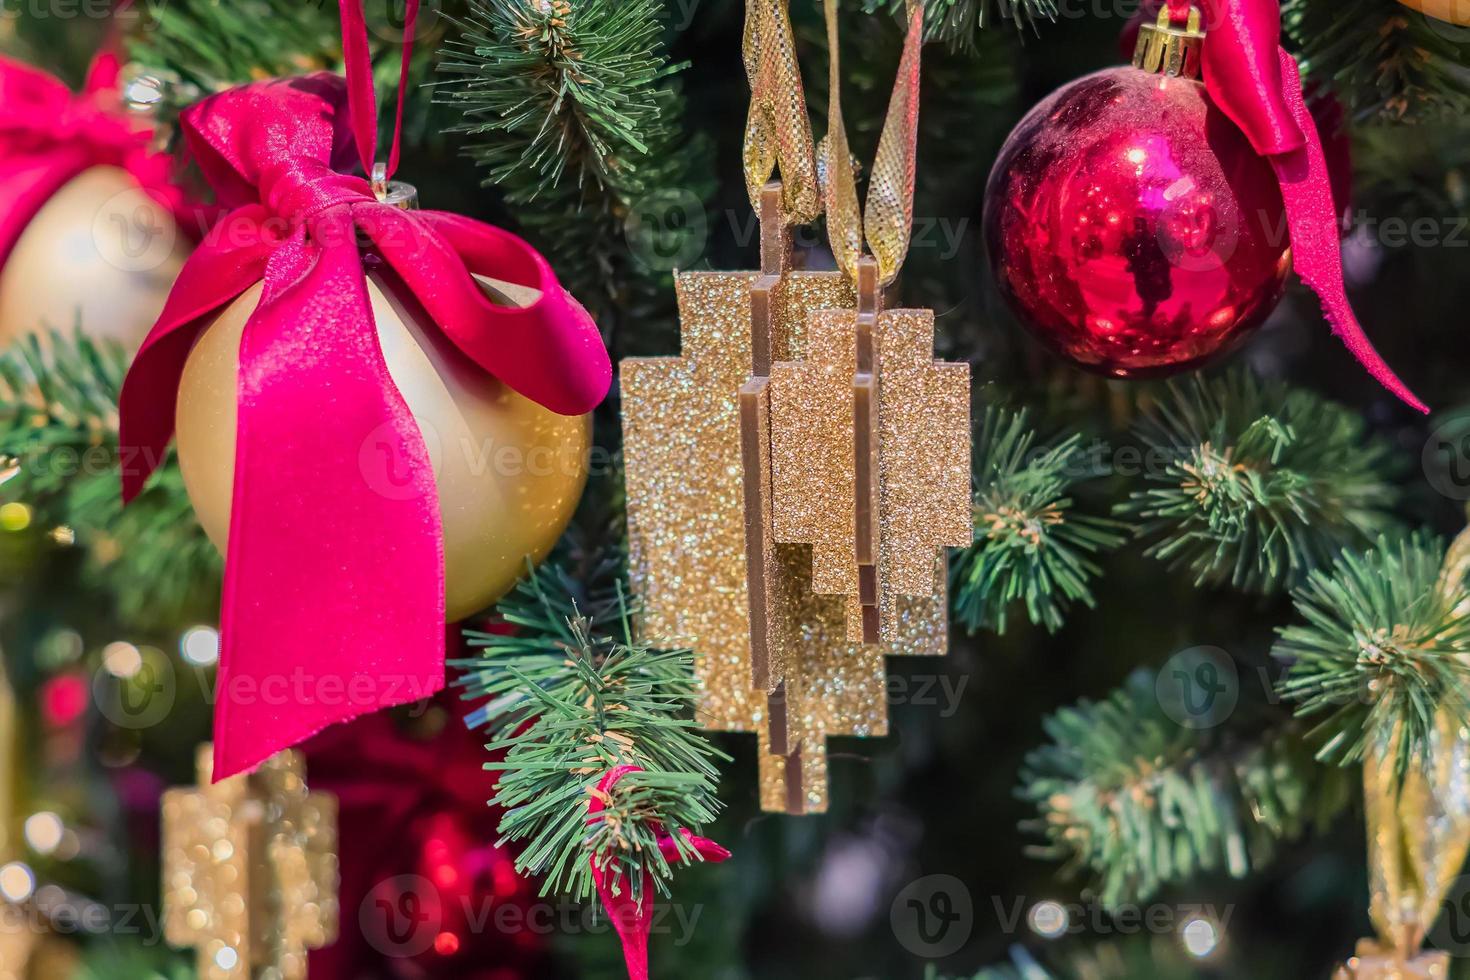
point(100, 254)
point(1452, 11)
point(509, 472)
point(703, 556)
point(1418, 832)
point(870, 454)
point(250, 870)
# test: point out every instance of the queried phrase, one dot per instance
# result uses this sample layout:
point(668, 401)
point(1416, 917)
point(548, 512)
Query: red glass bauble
point(1132, 228)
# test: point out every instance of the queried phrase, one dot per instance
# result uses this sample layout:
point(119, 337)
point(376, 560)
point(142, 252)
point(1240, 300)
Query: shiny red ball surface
point(1132, 228)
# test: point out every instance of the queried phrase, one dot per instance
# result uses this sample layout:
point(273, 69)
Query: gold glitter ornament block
point(250, 870)
point(915, 454)
point(696, 448)
point(1374, 963)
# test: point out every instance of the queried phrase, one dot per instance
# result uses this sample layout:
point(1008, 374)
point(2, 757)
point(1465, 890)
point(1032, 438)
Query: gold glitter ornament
point(702, 553)
point(871, 457)
point(1418, 831)
point(250, 870)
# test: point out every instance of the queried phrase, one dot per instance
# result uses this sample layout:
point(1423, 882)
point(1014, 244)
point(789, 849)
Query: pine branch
point(1257, 484)
point(199, 47)
point(1141, 801)
point(1031, 547)
point(1381, 651)
point(59, 455)
point(571, 695)
point(1382, 58)
point(959, 22)
point(572, 111)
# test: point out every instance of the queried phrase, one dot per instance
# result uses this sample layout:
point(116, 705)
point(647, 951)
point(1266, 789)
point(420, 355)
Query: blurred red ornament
point(425, 892)
point(1132, 228)
point(64, 700)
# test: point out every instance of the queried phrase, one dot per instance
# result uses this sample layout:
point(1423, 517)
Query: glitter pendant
point(250, 870)
point(707, 498)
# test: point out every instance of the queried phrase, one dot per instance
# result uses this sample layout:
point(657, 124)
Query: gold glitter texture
point(696, 440)
point(921, 458)
point(250, 870)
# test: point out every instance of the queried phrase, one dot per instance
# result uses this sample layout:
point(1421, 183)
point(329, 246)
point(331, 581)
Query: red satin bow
point(1256, 83)
point(333, 603)
point(48, 136)
point(632, 920)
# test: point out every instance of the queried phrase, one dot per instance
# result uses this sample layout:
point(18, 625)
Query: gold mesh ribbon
point(1419, 831)
point(778, 131)
point(890, 212)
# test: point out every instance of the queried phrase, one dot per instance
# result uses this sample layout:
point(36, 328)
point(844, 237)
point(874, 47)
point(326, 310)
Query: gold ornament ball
point(509, 473)
point(1451, 11)
point(100, 254)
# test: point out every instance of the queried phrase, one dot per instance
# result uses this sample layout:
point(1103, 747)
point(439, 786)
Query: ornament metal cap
point(395, 192)
point(1169, 48)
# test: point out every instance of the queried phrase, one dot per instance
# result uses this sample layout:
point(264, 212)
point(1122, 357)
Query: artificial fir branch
point(1383, 648)
point(1142, 801)
point(959, 22)
point(573, 112)
point(1257, 484)
point(1381, 58)
point(570, 695)
point(59, 455)
point(1032, 547)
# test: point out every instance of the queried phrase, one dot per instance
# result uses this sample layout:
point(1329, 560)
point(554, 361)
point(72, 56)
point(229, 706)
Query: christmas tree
point(1205, 700)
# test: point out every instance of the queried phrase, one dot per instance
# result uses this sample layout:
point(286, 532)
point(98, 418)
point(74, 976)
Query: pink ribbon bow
point(633, 920)
point(1256, 83)
point(48, 136)
point(333, 601)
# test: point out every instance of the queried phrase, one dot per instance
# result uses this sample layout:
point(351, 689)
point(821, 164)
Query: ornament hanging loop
point(1169, 47)
point(400, 195)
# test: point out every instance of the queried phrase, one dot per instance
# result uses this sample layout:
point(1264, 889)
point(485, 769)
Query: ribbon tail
point(334, 597)
point(1311, 213)
point(632, 925)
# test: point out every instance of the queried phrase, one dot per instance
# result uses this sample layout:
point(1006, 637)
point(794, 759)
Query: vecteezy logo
point(130, 232)
point(1198, 688)
point(1451, 931)
point(390, 465)
point(667, 229)
point(401, 916)
point(140, 700)
point(933, 917)
point(1447, 457)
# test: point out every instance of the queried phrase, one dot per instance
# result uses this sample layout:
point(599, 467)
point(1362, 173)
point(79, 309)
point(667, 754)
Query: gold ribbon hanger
point(889, 222)
point(779, 134)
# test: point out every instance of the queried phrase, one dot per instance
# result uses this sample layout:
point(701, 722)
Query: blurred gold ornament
point(1373, 962)
point(772, 655)
point(100, 255)
point(1418, 830)
point(1453, 11)
point(250, 870)
point(509, 472)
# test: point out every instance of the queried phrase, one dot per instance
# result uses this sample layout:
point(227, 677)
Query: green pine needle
point(959, 22)
point(572, 110)
point(1381, 58)
point(1257, 484)
point(569, 696)
point(59, 455)
point(1383, 649)
point(1142, 801)
point(1032, 547)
